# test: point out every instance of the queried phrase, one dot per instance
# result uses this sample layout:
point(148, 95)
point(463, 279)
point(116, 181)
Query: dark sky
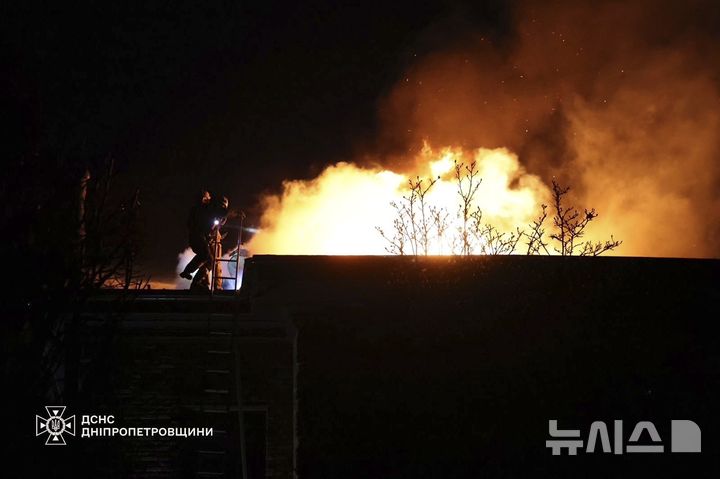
point(235, 96)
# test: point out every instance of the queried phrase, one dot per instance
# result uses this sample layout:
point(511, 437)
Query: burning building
point(448, 358)
point(629, 120)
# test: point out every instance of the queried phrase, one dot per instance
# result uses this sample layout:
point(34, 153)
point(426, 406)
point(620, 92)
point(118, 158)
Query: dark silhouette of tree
point(535, 242)
point(417, 223)
point(71, 235)
point(466, 178)
point(109, 236)
point(570, 225)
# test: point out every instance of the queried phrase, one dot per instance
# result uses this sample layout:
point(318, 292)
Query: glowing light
point(338, 212)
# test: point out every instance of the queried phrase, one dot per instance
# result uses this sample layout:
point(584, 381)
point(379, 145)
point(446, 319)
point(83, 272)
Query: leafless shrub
point(397, 239)
point(466, 177)
point(535, 242)
point(570, 225)
point(416, 221)
point(598, 248)
point(439, 217)
point(108, 235)
point(417, 224)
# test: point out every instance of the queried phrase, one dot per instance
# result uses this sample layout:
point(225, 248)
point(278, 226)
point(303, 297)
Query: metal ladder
point(234, 258)
point(222, 381)
point(221, 400)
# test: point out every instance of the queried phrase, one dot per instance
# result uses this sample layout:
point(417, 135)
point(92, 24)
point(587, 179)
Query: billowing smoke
point(620, 101)
point(185, 257)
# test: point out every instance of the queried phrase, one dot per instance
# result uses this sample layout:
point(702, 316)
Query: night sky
point(235, 96)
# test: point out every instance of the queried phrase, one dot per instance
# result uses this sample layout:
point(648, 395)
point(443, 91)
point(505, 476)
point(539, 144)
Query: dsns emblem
point(55, 425)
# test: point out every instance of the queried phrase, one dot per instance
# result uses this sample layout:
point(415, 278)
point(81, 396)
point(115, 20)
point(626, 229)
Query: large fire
point(630, 121)
point(339, 212)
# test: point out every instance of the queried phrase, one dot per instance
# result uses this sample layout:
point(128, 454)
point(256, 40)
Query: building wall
point(153, 372)
point(452, 367)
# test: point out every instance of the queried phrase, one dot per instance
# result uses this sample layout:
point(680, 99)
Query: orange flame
point(338, 212)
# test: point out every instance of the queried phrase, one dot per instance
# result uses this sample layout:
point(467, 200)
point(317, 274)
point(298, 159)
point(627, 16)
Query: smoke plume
point(618, 100)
